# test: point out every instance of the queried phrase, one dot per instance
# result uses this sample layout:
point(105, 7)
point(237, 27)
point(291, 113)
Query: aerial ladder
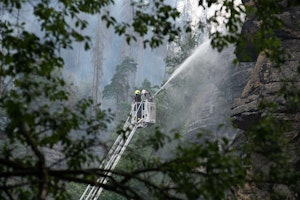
point(142, 115)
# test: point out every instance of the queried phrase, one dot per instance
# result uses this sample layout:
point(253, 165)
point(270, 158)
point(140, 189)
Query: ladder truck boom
point(142, 115)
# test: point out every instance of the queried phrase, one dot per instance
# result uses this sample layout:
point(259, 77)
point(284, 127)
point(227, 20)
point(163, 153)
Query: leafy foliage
point(269, 155)
point(265, 39)
point(162, 23)
point(232, 22)
point(189, 172)
point(37, 116)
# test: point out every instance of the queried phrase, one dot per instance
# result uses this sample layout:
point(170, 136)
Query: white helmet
point(144, 91)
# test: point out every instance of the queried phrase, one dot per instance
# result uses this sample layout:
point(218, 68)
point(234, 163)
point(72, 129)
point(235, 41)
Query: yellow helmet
point(137, 92)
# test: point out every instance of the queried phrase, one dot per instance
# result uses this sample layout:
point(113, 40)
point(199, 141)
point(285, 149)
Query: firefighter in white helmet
point(146, 95)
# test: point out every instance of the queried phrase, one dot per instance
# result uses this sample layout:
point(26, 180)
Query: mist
point(198, 93)
point(198, 85)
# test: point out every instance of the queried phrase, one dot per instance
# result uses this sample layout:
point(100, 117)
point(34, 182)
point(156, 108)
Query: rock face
point(263, 82)
point(291, 31)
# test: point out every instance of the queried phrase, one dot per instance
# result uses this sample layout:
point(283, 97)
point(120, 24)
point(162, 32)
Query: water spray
point(186, 64)
point(160, 89)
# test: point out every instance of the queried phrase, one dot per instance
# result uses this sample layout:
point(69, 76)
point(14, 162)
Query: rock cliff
point(264, 81)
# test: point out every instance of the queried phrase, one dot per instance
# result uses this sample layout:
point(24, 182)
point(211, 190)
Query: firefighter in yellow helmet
point(137, 100)
point(137, 97)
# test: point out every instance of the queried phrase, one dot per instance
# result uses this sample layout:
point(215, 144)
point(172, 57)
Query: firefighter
point(137, 100)
point(137, 97)
point(146, 95)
